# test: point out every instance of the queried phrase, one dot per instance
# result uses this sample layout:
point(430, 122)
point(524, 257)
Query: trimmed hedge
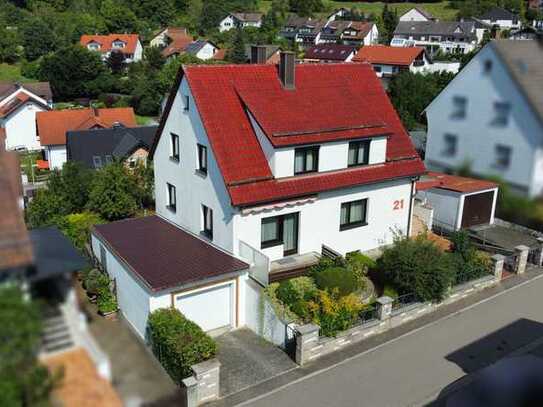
point(178, 343)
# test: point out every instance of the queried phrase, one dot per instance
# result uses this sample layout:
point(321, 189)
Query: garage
point(455, 202)
point(161, 265)
point(211, 308)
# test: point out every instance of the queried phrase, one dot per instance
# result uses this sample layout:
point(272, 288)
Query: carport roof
point(165, 256)
point(454, 183)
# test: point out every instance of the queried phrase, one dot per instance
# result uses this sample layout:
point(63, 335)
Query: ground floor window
point(353, 214)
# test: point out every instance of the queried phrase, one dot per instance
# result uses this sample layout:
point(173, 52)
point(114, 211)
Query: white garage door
point(211, 308)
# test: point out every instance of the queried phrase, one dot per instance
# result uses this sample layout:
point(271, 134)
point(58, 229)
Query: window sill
point(174, 159)
point(206, 234)
point(305, 172)
point(274, 243)
point(201, 173)
point(352, 226)
point(357, 165)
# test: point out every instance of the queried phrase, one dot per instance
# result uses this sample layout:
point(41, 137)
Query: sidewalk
point(426, 325)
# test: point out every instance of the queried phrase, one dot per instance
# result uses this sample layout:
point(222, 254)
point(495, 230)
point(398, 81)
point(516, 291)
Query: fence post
point(539, 259)
point(307, 336)
point(522, 258)
point(384, 307)
point(191, 386)
point(498, 261)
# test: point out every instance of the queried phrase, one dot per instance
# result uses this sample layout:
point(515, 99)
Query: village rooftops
point(443, 28)
point(328, 103)
point(499, 14)
point(330, 52)
point(381, 54)
point(40, 89)
point(106, 42)
point(53, 125)
point(20, 100)
point(248, 17)
point(453, 183)
point(164, 256)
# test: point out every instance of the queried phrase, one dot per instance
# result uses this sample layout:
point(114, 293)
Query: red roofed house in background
point(452, 202)
point(53, 125)
point(19, 104)
point(128, 44)
point(330, 53)
point(273, 165)
point(389, 61)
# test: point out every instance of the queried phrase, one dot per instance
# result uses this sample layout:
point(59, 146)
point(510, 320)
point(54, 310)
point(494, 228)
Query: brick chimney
point(287, 69)
point(258, 54)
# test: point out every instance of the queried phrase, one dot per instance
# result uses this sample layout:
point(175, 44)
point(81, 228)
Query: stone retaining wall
point(203, 385)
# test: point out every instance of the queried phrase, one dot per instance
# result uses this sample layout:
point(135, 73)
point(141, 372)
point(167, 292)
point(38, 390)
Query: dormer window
point(93, 46)
point(359, 153)
point(118, 44)
point(306, 159)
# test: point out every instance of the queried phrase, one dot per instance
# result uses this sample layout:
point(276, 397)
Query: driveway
point(247, 359)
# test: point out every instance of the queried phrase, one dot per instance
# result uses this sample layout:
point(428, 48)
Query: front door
point(290, 234)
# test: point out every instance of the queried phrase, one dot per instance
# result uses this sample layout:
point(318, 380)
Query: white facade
point(413, 15)
point(503, 24)
point(435, 43)
point(206, 52)
point(56, 156)
point(20, 127)
point(387, 210)
point(372, 37)
point(137, 56)
point(230, 21)
point(480, 139)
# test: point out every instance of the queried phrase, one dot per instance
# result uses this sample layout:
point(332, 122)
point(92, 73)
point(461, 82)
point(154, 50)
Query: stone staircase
point(56, 335)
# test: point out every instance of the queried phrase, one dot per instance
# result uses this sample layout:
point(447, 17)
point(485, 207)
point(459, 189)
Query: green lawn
point(12, 73)
point(441, 10)
point(144, 120)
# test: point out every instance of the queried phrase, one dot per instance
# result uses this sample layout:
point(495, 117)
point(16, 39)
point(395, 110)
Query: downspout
point(411, 199)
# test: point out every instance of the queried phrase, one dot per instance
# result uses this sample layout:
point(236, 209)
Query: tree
point(417, 266)
point(153, 58)
point(389, 21)
point(23, 381)
point(9, 46)
point(74, 72)
point(116, 62)
point(306, 8)
point(38, 38)
point(114, 193)
point(237, 53)
point(158, 12)
point(118, 17)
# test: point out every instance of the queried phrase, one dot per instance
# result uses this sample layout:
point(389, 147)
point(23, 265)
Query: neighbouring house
point(96, 148)
point(445, 36)
point(18, 106)
point(330, 53)
point(262, 54)
point(417, 14)
point(524, 33)
point(451, 202)
point(127, 44)
point(304, 31)
point(201, 49)
point(339, 14)
point(255, 191)
point(490, 117)
point(501, 18)
point(169, 35)
point(240, 20)
point(388, 61)
point(53, 126)
point(481, 28)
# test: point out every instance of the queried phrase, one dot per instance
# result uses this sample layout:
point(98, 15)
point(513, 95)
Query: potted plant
point(107, 303)
point(92, 284)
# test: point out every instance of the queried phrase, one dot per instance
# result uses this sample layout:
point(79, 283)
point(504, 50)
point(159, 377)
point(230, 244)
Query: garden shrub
point(76, 227)
point(337, 278)
point(281, 309)
point(417, 266)
point(106, 299)
point(360, 261)
point(295, 293)
point(469, 263)
point(94, 279)
point(178, 343)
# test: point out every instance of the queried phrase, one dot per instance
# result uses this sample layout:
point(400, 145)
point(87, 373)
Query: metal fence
point(404, 301)
point(367, 315)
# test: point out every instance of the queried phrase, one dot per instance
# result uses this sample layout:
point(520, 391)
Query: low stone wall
point(309, 346)
point(203, 385)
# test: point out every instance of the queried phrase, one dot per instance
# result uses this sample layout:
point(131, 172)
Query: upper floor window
point(359, 153)
point(202, 158)
point(353, 214)
point(97, 161)
point(174, 153)
point(451, 145)
point(118, 44)
point(459, 107)
point(503, 156)
point(172, 199)
point(186, 103)
point(502, 111)
point(377, 68)
point(306, 159)
point(207, 222)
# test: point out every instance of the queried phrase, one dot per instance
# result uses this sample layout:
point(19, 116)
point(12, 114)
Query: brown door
point(477, 209)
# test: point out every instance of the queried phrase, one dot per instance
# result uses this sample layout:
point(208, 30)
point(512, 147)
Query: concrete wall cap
point(385, 300)
point(205, 366)
point(522, 248)
point(307, 329)
point(190, 382)
point(498, 257)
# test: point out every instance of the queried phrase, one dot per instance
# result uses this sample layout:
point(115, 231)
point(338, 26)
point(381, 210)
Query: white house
point(447, 36)
point(240, 20)
point(18, 107)
point(202, 49)
point(490, 117)
point(128, 45)
point(501, 18)
point(275, 166)
point(167, 35)
point(455, 202)
point(416, 14)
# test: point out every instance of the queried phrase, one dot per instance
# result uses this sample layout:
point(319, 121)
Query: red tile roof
point(106, 42)
point(381, 54)
point(331, 102)
point(164, 256)
point(453, 183)
point(53, 125)
point(19, 100)
point(180, 41)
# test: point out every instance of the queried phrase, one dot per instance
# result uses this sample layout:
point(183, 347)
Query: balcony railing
point(260, 263)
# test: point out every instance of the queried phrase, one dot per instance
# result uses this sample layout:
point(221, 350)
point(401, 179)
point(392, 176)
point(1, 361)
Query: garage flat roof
point(163, 255)
point(453, 183)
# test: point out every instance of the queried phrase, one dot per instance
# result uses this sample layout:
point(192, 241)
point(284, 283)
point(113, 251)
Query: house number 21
point(398, 205)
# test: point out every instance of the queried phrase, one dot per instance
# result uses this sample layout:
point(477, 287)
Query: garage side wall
point(132, 297)
point(446, 205)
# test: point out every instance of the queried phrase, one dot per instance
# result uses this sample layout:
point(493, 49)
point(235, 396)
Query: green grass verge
point(144, 120)
point(12, 73)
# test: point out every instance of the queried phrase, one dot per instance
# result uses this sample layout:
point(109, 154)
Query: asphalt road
point(416, 367)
